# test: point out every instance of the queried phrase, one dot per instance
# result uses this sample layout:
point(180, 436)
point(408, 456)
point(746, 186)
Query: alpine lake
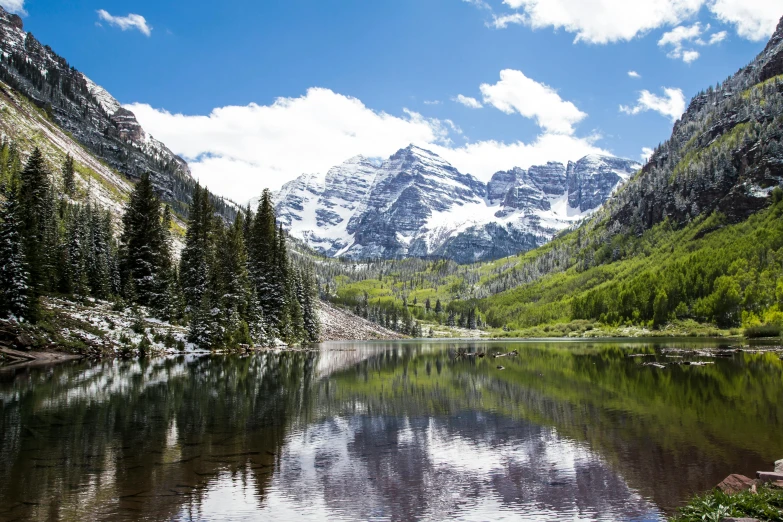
point(411, 430)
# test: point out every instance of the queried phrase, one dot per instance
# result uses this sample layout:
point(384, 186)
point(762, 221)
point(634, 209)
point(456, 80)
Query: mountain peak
point(415, 150)
point(776, 38)
point(13, 20)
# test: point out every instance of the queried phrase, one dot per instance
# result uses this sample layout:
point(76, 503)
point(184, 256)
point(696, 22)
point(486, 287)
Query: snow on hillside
point(29, 128)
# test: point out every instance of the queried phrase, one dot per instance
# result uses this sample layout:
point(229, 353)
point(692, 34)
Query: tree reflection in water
point(395, 431)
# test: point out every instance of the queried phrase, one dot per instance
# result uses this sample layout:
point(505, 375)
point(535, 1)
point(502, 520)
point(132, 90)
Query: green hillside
point(727, 275)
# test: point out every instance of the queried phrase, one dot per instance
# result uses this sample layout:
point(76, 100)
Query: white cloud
point(647, 153)
point(481, 4)
point(503, 21)
point(605, 21)
point(467, 101)
point(515, 92)
point(634, 74)
point(608, 21)
point(131, 21)
point(431, 102)
point(14, 6)
point(718, 37)
point(754, 19)
point(239, 151)
point(671, 104)
point(681, 35)
point(484, 158)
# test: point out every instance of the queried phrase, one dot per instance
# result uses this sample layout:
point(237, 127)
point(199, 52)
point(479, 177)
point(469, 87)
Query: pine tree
point(143, 249)
point(78, 251)
point(14, 288)
point(204, 331)
point(173, 304)
point(36, 216)
point(265, 262)
point(69, 182)
point(312, 324)
point(99, 255)
point(233, 282)
point(10, 163)
point(195, 260)
point(259, 332)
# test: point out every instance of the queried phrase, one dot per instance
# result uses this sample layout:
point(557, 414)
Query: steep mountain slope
point(91, 115)
point(29, 127)
point(415, 204)
point(724, 154)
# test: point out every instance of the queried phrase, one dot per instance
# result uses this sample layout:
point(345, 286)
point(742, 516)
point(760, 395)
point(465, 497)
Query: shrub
point(715, 506)
point(765, 330)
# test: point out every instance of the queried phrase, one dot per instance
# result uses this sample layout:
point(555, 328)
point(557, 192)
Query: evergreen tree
point(233, 282)
point(204, 329)
point(10, 162)
point(290, 322)
point(259, 333)
point(69, 182)
point(77, 251)
point(265, 264)
point(312, 324)
point(14, 276)
point(100, 253)
point(195, 260)
point(37, 228)
point(143, 249)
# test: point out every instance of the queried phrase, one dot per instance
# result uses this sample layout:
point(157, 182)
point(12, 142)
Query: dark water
point(385, 431)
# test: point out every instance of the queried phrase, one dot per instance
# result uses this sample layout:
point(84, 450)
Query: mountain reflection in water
point(384, 431)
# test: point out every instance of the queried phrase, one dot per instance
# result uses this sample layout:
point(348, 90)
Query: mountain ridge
point(92, 116)
point(416, 204)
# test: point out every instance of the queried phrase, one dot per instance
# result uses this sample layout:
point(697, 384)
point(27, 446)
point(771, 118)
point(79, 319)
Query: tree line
point(233, 283)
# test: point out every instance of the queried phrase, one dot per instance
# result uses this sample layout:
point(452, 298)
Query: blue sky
point(253, 93)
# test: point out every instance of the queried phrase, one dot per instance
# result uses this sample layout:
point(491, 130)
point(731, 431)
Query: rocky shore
point(739, 498)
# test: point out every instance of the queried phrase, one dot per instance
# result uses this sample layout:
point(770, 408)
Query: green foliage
point(15, 298)
point(68, 170)
point(37, 227)
point(766, 504)
point(144, 257)
point(766, 330)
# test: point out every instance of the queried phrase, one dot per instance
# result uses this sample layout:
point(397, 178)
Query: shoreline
point(20, 357)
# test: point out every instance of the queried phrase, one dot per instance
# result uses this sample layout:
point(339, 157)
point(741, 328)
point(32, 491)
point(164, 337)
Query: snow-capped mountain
point(416, 204)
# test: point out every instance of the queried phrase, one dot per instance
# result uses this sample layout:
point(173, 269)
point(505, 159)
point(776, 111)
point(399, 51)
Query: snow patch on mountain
point(416, 204)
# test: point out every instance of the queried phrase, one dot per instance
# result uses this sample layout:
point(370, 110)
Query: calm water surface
point(385, 431)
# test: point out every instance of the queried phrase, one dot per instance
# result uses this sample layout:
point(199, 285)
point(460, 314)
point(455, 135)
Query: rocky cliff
point(91, 115)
